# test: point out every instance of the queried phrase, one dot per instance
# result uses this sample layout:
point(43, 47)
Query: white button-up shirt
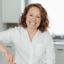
point(39, 51)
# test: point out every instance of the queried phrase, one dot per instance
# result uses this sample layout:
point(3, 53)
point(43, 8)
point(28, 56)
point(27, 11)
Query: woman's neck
point(31, 31)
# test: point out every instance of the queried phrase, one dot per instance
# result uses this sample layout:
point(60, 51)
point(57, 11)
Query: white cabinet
point(59, 50)
point(11, 49)
point(11, 11)
point(0, 58)
point(60, 60)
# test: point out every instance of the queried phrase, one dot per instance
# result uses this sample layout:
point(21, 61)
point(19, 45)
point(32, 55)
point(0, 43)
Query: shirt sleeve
point(50, 53)
point(7, 36)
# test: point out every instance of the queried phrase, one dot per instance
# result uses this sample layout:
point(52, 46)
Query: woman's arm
point(8, 56)
point(7, 37)
point(2, 48)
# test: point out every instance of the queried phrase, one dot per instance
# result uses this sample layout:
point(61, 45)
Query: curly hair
point(44, 20)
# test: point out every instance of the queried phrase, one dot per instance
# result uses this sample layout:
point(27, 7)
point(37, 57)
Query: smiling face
point(33, 18)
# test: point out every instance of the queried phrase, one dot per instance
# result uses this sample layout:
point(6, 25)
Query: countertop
point(58, 41)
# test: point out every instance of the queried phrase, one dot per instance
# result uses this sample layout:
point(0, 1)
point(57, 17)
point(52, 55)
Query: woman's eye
point(38, 17)
point(30, 15)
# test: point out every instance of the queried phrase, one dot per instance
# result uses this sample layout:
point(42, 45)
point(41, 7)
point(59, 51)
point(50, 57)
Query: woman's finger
point(13, 59)
point(10, 59)
point(6, 58)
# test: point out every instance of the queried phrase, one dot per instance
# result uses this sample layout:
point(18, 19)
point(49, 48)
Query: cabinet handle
point(59, 49)
point(8, 46)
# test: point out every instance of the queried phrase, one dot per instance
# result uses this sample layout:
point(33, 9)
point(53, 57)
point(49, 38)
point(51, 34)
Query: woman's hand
point(13, 59)
point(9, 57)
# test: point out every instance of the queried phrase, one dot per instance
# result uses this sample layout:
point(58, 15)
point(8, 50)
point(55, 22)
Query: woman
point(33, 43)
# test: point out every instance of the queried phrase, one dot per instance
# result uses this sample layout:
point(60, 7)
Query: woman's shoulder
point(15, 28)
point(12, 29)
point(46, 32)
point(46, 35)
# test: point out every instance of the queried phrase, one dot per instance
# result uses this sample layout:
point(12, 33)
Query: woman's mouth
point(32, 23)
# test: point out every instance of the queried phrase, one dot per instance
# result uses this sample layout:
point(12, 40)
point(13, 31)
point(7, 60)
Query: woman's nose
point(34, 18)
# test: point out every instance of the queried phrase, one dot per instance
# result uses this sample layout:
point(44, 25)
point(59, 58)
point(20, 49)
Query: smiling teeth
point(33, 23)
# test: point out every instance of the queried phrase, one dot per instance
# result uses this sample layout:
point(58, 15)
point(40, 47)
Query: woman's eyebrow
point(32, 13)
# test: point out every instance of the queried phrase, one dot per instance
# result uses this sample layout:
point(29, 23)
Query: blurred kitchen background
point(11, 10)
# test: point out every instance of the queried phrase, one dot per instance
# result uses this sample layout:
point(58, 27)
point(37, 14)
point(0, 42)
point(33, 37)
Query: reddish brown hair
point(44, 20)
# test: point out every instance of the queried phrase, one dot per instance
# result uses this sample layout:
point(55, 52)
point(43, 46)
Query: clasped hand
point(9, 57)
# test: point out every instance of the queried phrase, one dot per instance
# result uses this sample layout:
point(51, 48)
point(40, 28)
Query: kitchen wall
point(2, 25)
point(5, 26)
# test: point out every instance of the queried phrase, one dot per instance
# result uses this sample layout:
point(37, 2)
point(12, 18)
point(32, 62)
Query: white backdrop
point(55, 9)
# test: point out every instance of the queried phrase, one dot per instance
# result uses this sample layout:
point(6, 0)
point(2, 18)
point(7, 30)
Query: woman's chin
point(32, 27)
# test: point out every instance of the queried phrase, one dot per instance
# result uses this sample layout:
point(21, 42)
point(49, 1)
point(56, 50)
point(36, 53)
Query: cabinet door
point(11, 10)
point(0, 58)
point(59, 52)
point(59, 60)
point(12, 51)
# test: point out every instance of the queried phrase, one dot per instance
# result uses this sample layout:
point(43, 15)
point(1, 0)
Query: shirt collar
point(25, 33)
